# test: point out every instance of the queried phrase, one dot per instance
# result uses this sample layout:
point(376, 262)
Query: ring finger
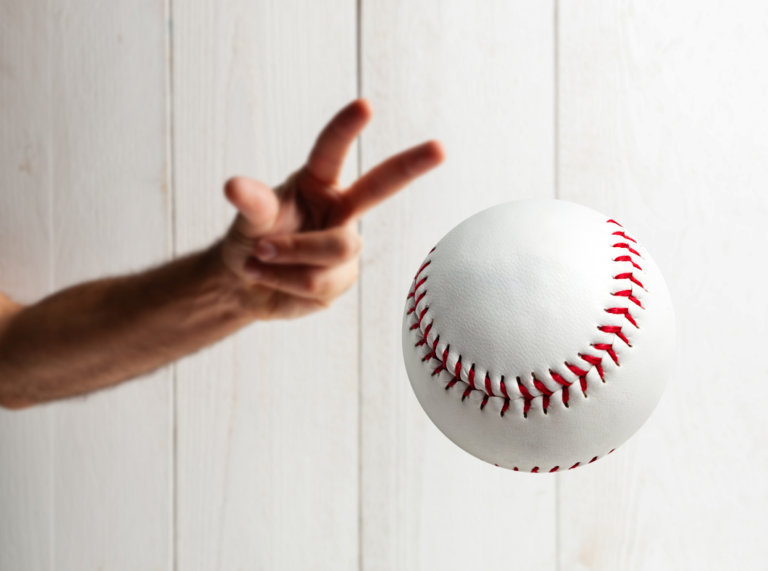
point(322, 248)
point(304, 281)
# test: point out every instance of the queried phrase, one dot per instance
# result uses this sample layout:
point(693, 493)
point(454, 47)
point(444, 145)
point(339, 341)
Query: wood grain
point(111, 450)
point(479, 76)
point(86, 483)
point(662, 125)
point(26, 473)
point(267, 421)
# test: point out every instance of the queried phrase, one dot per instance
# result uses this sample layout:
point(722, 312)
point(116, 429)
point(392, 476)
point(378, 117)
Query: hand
point(295, 249)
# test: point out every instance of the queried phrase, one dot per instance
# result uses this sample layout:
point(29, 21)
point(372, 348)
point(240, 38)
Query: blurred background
point(300, 445)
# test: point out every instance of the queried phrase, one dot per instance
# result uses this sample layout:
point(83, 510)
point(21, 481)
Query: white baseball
point(538, 335)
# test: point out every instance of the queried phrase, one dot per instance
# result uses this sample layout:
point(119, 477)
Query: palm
point(309, 221)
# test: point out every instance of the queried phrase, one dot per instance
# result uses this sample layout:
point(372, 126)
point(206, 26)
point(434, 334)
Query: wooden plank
point(662, 125)
point(25, 264)
point(86, 483)
point(267, 421)
point(479, 76)
point(112, 501)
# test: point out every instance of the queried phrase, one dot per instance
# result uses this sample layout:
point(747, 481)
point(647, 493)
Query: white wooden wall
point(300, 445)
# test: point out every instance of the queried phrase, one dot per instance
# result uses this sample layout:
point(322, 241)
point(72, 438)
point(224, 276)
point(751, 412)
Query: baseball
point(538, 335)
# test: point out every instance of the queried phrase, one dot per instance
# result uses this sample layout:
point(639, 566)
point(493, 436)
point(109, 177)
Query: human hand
point(295, 249)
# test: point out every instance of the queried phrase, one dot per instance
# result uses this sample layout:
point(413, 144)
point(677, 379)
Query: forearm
point(100, 333)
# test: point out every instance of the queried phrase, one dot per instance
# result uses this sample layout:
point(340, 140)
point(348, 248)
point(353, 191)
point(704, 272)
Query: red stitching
point(628, 247)
point(608, 349)
point(523, 390)
point(536, 469)
point(628, 294)
point(596, 362)
point(526, 407)
point(628, 276)
point(627, 259)
point(503, 388)
point(623, 235)
point(546, 393)
point(488, 388)
point(424, 265)
point(622, 311)
point(616, 330)
point(541, 387)
point(576, 370)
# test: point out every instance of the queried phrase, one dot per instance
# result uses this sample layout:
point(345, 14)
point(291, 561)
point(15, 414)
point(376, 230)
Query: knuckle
point(350, 281)
point(287, 246)
point(315, 283)
point(237, 236)
point(347, 278)
point(343, 284)
point(347, 245)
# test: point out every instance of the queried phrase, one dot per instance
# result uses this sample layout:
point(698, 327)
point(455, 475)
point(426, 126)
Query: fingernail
point(265, 250)
point(252, 269)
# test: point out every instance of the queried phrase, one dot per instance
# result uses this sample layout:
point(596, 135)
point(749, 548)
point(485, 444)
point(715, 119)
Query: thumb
point(257, 206)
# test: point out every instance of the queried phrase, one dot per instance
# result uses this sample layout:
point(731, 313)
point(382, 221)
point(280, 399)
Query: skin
point(289, 252)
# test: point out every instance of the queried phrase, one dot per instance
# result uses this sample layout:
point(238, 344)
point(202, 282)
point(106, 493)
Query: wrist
point(233, 292)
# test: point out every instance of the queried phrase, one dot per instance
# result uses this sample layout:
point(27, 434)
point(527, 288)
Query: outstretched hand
point(295, 248)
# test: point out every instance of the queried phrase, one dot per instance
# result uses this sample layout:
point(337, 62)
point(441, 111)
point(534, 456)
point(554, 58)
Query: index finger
point(327, 156)
point(388, 178)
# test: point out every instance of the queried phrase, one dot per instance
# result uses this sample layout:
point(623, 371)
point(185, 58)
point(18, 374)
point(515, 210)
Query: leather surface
point(519, 292)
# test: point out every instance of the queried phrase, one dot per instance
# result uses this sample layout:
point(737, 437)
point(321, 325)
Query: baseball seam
point(418, 292)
